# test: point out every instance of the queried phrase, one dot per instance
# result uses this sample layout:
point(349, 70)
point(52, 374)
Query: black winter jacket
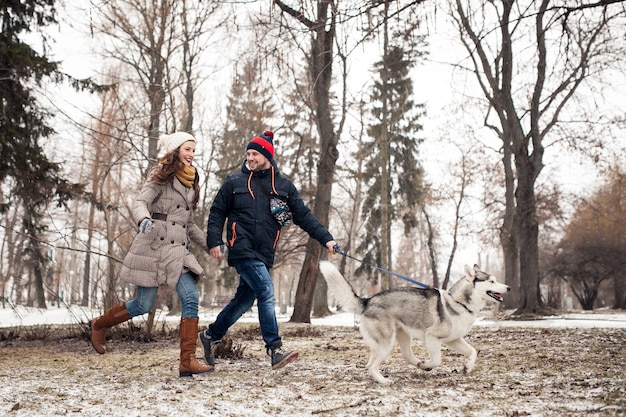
point(252, 232)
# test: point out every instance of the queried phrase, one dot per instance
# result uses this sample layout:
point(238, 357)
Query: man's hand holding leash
point(332, 247)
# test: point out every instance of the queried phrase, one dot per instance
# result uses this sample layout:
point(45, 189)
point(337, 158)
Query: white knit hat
point(168, 143)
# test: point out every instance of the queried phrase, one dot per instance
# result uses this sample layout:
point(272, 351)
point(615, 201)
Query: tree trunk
point(13, 242)
point(320, 301)
point(90, 229)
point(383, 143)
point(110, 297)
point(36, 259)
point(156, 97)
point(309, 272)
point(510, 252)
point(432, 253)
point(306, 284)
point(321, 67)
point(619, 284)
point(528, 238)
point(508, 232)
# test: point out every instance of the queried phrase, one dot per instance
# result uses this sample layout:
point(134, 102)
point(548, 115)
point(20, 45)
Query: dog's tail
point(340, 289)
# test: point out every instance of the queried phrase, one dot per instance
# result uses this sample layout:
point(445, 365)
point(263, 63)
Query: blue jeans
point(186, 289)
point(255, 282)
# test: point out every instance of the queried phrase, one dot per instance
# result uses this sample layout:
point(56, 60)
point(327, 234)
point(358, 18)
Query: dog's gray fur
point(436, 317)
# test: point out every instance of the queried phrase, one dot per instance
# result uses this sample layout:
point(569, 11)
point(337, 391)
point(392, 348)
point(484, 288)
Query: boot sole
point(189, 374)
point(285, 361)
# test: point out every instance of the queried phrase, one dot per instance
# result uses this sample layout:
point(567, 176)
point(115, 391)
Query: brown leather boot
point(116, 315)
point(189, 365)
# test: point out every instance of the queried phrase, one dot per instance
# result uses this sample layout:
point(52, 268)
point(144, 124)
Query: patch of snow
point(29, 316)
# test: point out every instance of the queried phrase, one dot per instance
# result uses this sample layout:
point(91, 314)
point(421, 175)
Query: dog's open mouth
point(496, 296)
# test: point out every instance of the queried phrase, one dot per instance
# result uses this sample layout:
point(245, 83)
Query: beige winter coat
point(159, 257)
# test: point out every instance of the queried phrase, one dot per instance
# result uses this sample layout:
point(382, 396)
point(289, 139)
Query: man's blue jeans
point(255, 282)
point(186, 289)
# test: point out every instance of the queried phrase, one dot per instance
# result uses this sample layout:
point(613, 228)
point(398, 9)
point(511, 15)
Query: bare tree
point(323, 36)
point(158, 46)
point(108, 190)
point(523, 112)
point(591, 252)
point(12, 254)
point(464, 175)
point(321, 21)
point(140, 38)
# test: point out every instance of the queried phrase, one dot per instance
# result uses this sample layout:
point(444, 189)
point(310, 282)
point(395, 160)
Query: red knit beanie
point(263, 144)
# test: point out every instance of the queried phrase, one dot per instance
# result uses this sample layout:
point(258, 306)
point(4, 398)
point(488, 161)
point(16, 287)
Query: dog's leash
point(412, 281)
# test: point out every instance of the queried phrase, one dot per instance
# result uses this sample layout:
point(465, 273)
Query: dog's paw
point(426, 366)
point(380, 378)
point(467, 369)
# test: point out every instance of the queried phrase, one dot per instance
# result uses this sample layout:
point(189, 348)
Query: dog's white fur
point(433, 316)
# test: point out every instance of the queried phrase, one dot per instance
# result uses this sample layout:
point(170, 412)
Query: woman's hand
point(146, 225)
point(216, 252)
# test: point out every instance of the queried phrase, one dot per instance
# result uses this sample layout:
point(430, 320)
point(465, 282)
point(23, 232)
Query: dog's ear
point(480, 275)
point(468, 271)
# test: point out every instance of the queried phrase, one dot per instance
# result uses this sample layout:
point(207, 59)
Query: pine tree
point(393, 158)
point(26, 173)
point(250, 107)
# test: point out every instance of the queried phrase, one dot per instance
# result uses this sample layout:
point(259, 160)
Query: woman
point(159, 255)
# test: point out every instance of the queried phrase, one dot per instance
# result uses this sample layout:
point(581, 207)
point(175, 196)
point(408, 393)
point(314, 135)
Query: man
point(244, 201)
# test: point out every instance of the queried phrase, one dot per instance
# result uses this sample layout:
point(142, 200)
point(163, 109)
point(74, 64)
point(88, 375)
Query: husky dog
point(436, 317)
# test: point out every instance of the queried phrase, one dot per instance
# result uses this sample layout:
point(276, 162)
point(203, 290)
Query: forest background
point(426, 135)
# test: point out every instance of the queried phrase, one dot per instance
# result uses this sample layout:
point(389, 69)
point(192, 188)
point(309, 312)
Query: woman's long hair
point(166, 167)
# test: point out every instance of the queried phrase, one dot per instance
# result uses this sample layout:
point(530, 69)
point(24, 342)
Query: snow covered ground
point(570, 365)
point(27, 316)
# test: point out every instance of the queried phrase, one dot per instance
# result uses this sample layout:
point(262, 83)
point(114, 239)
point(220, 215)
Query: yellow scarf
point(186, 175)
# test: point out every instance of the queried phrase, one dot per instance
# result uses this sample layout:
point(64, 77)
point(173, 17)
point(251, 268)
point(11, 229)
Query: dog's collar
point(464, 306)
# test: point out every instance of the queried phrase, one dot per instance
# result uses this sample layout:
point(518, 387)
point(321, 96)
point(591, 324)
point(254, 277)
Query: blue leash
point(336, 249)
